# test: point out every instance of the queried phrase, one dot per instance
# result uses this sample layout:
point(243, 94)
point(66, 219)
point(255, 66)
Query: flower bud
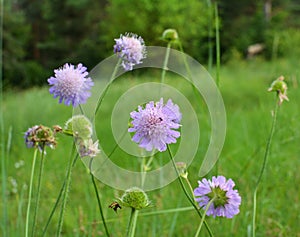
point(181, 167)
point(135, 198)
point(280, 87)
point(170, 35)
point(79, 126)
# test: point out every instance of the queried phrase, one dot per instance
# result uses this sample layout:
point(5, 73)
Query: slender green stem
point(132, 223)
point(165, 66)
point(203, 217)
point(145, 167)
point(186, 193)
point(210, 35)
point(218, 58)
point(56, 203)
point(30, 192)
point(38, 190)
point(189, 184)
point(113, 75)
point(99, 204)
point(65, 193)
point(267, 152)
point(188, 69)
point(218, 51)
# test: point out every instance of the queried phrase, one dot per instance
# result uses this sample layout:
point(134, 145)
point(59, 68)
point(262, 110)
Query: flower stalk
point(30, 192)
point(99, 204)
point(203, 216)
point(267, 152)
point(38, 189)
point(65, 192)
point(186, 192)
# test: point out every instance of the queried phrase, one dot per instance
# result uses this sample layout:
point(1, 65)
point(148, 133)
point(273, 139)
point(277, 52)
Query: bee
point(115, 206)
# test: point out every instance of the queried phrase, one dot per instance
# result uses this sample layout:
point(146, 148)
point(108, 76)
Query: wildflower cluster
point(154, 125)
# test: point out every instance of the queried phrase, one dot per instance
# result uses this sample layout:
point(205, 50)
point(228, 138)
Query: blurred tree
point(15, 39)
point(39, 36)
point(149, 18)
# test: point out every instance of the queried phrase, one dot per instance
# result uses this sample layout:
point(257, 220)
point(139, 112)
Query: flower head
point(39, 136)
point(226, 201)
point(71, 84)
point(135, 198)
point(154, 125)
point(281, 88)
point(131, 49)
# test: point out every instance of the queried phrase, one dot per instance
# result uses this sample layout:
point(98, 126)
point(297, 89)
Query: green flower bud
point(170, 35)
point(135, 198)
point(79, 126)
point(280, 87)
point(181, 167)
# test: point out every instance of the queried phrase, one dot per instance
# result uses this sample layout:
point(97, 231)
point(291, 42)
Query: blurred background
point(41, 35)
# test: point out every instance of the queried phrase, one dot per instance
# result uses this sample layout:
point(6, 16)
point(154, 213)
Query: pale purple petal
point(153, 126)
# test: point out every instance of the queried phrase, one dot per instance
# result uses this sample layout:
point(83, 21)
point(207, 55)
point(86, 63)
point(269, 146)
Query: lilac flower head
point(154, 125)
point(226, 200)
point(71, 84)
point(131, 49)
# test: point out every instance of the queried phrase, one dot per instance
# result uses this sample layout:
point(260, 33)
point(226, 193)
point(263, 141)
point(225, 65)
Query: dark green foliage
point(39, 36)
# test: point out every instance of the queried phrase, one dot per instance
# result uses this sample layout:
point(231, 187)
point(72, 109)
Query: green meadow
point(243, 85)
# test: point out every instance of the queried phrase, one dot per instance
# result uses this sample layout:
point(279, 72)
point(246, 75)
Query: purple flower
point(131, 49)
point(154, 124)
point(226, 201)
point(28, 136)
point(71, 84)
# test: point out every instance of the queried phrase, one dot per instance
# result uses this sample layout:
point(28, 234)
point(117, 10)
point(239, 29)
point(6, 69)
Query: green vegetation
point(243, 85)
point(39, 36)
